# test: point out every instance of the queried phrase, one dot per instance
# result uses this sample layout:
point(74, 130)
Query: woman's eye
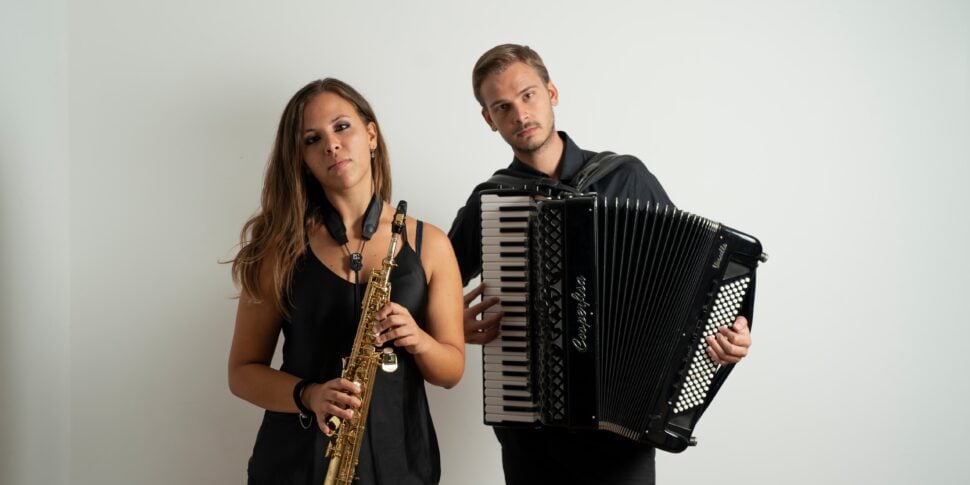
point(341, 127)
point(311, 140)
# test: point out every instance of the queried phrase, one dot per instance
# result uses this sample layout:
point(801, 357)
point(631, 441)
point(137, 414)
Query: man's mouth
point(528, 130)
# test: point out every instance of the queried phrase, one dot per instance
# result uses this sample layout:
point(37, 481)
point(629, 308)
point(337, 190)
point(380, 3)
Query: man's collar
point(570, 162)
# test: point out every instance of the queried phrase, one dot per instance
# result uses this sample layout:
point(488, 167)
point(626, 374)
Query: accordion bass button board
point(607, 305)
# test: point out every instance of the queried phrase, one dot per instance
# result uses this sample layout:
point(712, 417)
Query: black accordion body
point(607, 305)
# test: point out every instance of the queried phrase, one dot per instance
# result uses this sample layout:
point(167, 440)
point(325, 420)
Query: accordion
point(606, 308)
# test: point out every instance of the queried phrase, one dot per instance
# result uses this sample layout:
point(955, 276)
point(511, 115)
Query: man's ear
point(488, 120)
point(553, 93)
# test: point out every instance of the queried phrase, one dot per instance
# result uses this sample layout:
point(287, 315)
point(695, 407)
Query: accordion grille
point(547, 313)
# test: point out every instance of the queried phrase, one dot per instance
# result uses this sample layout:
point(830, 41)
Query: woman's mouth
point(337, 165)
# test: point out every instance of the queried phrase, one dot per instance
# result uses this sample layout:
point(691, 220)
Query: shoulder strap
point(596, 168)
point(417, 238)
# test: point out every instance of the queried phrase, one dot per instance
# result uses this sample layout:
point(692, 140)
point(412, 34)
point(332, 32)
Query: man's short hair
point(499, 58)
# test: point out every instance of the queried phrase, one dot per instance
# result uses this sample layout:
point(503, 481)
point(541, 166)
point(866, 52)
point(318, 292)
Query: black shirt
point(557, 455)
point(399, 442)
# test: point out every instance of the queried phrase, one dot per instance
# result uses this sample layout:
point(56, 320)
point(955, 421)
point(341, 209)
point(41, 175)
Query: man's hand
point(484, 330)
point(730, 344)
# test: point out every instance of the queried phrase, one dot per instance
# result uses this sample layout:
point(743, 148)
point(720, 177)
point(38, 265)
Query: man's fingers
point(481, 325)
point(483, 337)
point(483, 305)
point(471, 295)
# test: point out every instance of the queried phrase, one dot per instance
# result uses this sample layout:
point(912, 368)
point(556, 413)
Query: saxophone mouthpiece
point(402, 210)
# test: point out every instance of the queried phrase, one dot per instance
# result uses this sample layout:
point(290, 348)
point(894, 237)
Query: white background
point(135, 134)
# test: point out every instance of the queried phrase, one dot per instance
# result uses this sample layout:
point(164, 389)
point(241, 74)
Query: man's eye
point(529, 95)
point(503, 107)
point(311, 140)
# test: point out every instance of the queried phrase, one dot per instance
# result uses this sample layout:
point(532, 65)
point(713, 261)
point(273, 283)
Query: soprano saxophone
point(361, 366)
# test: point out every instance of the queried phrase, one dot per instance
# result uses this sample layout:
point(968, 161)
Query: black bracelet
point(305, 413)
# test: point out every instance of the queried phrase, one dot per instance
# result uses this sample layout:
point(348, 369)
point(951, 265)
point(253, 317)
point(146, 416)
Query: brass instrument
point(361, 366)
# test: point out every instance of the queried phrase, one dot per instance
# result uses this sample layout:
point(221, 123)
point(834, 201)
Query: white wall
point(837, 132)
point(34, 236)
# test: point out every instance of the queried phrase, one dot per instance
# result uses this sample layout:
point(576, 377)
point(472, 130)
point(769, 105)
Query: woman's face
point(337, 143)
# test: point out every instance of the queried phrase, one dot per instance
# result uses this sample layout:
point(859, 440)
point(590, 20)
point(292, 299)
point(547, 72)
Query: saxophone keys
point(334, 424)
point(388, 360)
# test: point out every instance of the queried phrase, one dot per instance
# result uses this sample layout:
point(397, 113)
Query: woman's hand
point(336, 397)
point(395, 323)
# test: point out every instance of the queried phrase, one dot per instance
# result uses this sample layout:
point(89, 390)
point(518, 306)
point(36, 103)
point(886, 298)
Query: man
point(517, 97)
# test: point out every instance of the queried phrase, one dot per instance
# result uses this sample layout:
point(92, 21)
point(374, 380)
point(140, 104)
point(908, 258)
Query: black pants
point(551, 455)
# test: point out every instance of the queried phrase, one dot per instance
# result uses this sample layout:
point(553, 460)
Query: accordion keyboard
point(508, 391)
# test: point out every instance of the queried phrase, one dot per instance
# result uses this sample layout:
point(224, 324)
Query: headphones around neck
point(335, 223)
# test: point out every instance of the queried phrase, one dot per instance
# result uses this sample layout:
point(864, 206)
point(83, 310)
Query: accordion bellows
point(607, 305)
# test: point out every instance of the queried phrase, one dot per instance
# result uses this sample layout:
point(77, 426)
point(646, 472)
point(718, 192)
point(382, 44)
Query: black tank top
point(400, 446)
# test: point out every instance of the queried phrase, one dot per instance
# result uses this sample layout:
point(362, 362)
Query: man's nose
point(520, 115)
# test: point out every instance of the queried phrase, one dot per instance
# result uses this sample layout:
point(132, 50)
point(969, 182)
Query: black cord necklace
point(335, 226)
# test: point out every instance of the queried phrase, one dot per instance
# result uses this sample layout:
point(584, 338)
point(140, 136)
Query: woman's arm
point(253, 343)
point(251, 377)
point(440, 350)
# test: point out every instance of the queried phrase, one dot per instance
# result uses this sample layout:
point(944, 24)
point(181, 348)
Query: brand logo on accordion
point(720, 255)
point(582, 311)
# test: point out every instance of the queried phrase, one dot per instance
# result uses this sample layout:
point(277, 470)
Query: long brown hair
point(292, 196)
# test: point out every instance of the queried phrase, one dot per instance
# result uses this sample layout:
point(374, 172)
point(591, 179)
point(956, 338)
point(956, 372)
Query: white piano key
point(497, 266)
point(507, 298)
point(499, 258)
point(495, 418)
point(507, 251)
point(498, 239)
point(504, 367)
point(501, 401)
point(507, 392)
point(502, 410)
point(497, 215)
point(502, 357)
point(498, 223)
point(506, 199)
point(497, 376)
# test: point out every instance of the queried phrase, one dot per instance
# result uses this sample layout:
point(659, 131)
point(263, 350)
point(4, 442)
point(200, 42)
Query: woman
point(325, 212)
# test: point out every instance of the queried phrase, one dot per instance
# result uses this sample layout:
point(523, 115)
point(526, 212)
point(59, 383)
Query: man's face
point(518, 104)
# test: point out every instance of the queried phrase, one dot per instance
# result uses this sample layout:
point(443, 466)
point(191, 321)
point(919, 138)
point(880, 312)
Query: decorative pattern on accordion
point(547, 313)
point(702, 368)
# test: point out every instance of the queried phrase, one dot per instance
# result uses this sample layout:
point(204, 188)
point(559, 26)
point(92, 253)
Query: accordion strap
point(595, 169)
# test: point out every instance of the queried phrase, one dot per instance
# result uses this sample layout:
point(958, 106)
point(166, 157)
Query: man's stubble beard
point(532, 149)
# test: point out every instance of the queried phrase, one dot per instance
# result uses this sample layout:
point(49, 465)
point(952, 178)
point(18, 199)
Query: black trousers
point(552, 455)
